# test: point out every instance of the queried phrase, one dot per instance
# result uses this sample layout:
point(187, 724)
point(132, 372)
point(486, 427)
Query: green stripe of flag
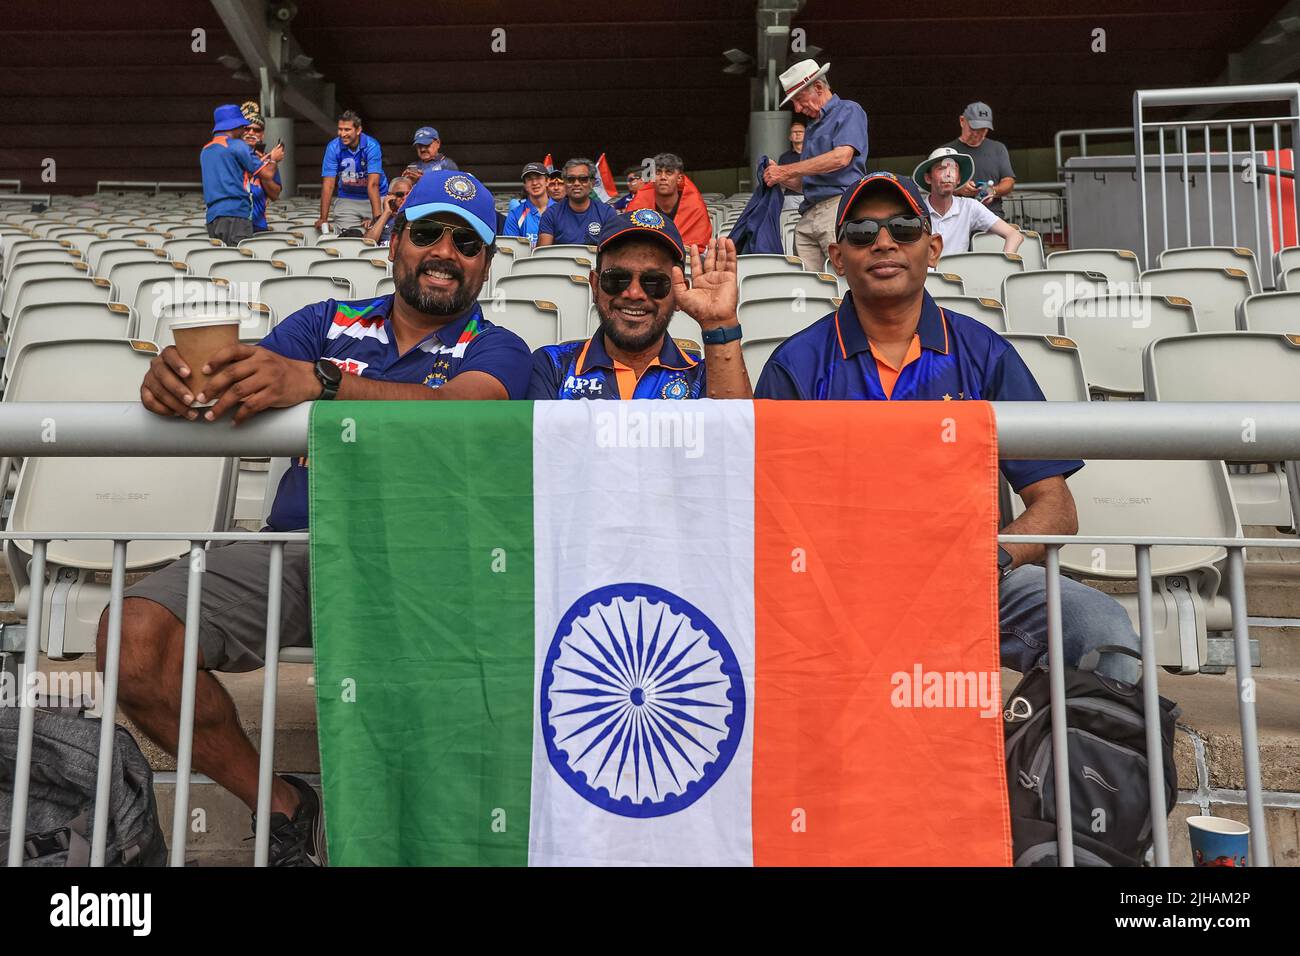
point(422, 612)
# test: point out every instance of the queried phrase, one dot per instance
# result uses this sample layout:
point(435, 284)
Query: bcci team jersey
point(357, 336)
point(585, 370)
point(350, 167)
point(953, 357)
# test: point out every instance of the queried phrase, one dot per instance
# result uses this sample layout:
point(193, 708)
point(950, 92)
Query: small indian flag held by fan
point(639, 632)
point(605, 188)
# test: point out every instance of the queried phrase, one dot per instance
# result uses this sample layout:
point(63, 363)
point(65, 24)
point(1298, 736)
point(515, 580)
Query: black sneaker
point(300, 840)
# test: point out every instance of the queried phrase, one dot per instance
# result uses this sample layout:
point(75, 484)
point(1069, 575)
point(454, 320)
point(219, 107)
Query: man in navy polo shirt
point(428, 341)
point(637, 286)
point(889, 341)
point(578, 219)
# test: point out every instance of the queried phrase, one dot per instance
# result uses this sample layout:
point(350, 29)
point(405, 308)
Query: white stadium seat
point(1213, 257)
point(1056, 365)
point(23, 274)
point(154, 297)
point(59, 321)
point(364, 274)
point(781, 318)
point(350, 246)
point(944, 283)
point(385, 286)
point(262, 246)
point(1117, 265)
point(300, 258)
point(536, 321)
point(551, 266)
point(776, 285)
point(1032, 301)
point(201, 261)
point(753, 265)
point(285, 295)
point(64, 289)
point(1112, 330)
point(244, 275)
point(986, 311)
point(563, 251)
point(127, 276)
point(571, 294)
point(113, 257)
point(1270, 312)
point(1214, 293)
point(982, 272)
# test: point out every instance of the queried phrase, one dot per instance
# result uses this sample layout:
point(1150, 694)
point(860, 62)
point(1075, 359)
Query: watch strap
point(721, 336)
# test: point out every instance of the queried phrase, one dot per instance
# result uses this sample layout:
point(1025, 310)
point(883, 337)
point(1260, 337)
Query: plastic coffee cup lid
point(203, 322)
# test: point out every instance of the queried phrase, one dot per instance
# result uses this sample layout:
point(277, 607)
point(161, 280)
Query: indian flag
point(709, 633)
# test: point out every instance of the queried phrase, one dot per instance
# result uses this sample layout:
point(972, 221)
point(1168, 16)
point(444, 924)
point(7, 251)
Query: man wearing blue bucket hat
point(229, 168)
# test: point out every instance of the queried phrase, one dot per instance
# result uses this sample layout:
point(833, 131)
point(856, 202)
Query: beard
point(435, 302)
point(628, 342)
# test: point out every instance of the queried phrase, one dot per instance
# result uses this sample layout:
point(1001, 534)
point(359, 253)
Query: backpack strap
point(1088, 662)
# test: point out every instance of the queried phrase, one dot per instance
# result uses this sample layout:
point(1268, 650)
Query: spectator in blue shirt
point(634, 182)
point(578, 219)
point(430, 340)
point(834, 157)
point(524, 217)
point(427, 145)
point(889, 341)
point(261, 195)
point(229, 167)
point(636, 286)
point(354, 168)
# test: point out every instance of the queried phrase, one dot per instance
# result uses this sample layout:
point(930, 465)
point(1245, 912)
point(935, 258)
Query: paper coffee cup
point(198, 339)
point(1218, 841)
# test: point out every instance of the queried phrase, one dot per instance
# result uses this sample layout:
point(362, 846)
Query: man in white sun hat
point(834, 158)
point(954, 217)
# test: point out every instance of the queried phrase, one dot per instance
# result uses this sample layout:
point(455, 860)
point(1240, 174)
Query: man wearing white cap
point(955, 217)
point(994, 177)
point(834, 157)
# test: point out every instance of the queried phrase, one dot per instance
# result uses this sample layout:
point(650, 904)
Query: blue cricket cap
point(903, 186)
point(448, 190)
point(424, 136)
point(649, 223)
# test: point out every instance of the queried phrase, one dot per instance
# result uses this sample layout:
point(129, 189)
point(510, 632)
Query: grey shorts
point(348, 212)
point(232, 618)
point(230, 229)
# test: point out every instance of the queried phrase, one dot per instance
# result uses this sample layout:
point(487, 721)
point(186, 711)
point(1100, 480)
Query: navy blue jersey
point(585, 370)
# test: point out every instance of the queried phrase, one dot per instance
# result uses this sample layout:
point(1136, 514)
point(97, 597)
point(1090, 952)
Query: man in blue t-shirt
point(579, 218)
point(524, 217)
point(430, 340)
point(636, 286)
point(229, 167)
point(353, 168)
point(889, 341)
point(261, 194)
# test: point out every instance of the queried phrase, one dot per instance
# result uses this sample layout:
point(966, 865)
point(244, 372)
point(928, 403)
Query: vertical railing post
point(266, 752)
point(1060, 739)
point(189, 682)
point(1151, 711)
point(27, 715)
point(1246, 707)
point(108, 715)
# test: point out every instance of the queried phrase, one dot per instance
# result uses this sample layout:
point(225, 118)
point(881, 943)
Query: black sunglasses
point(615, 280)
point(577, 179)
point(428, 232)
point(863, 232)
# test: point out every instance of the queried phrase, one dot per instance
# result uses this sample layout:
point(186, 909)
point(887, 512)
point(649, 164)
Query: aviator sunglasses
point(863, 232)
point(428, 232)
point(615, 280)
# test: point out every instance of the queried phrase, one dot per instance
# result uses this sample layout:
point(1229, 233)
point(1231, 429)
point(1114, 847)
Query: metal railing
point(1260, 132)
point(1035, 430)
point(157, 188)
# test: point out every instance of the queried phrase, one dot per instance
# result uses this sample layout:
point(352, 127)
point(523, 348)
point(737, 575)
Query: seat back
point(570, 294)
point(1214, 257)
point(756, 352)
point(59, 321)
point(537, 322)
point(780, 318)
point(246, 275)
point(108, 494)
point(1214, 293)
point(266, 247)
point(1112, 330)
point(1117, 265)
point(944, 283)
point(115, 257)
point(385, 286)
point(156, 297)
point(285, 295)
point(298, 259)
point(1270, 312)
point(982, 272)
point(763, 264)
point(519, 246)
point(127, 276)
point(180, 248)
point(22, 274)
point(986, 311)
point(1223, 367)
point(201, 261)
point(1056, 365)
point(1032, 301)
point(81, 288)
point(548, 266)
point(789, 285)
point(364, 274)
point(350, 246)
point(563, 250)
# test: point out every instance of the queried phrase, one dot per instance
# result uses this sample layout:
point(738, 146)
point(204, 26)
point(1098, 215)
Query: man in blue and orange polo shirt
point(637, 286)
point(430, 340)
point(889, 341)
point(229, 165)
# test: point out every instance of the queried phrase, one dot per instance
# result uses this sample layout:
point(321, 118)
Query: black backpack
point(61, 798)
point(1109, 795)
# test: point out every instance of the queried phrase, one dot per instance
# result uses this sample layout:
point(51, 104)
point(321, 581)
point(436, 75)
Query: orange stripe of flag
point(875, 547)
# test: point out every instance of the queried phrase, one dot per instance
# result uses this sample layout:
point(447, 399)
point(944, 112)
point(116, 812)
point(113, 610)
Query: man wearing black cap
point(637, 285)
point(525, 213)
point(889, 341)
point(228, 163)
point(555, 184)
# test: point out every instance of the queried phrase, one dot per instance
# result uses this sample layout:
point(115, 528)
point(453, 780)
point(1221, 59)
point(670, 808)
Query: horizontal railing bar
point(1199, 124)
point(1160, 540)
point(1196, 96)
point(265, 536)
point(1029, 430)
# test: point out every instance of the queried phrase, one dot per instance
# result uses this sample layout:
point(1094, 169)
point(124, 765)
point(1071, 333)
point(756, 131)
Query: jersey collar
point(932, 328)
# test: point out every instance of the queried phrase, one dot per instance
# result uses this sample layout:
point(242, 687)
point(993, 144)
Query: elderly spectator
point(578, 219)
point(889, 341)
point(634, 182)
point(227, 163)
point(381, 230)
point(428, 148)
point(261, 194)
point(955, 218)
point(994, 177)
point(428, 341)
point(834, 157)
point(673, 194)
point(636, 287)
point(525, 213)
point(354, 167)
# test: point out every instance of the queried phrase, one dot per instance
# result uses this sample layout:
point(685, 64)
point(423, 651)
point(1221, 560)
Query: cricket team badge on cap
point(460, 188)
point(649, 218)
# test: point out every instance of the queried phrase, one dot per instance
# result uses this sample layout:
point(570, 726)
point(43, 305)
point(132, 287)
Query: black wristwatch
point(1004, 562)
point(722, 335)
point(330, 377)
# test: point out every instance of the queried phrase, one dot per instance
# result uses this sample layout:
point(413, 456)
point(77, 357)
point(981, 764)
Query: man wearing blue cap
point(637, 285)
point(229, 167)
point(889, 341)
point(429, 340)
point(427, 147)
